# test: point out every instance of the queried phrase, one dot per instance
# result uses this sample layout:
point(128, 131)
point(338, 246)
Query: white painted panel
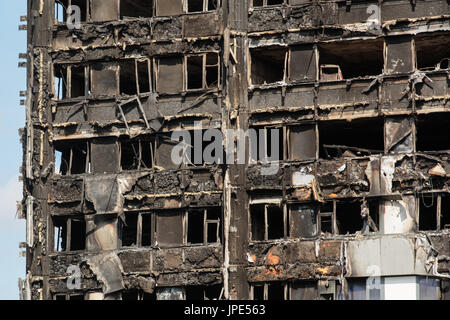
point(400, 288)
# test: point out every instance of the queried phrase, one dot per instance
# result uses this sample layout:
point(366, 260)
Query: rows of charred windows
point(271, 220)
point(267, 221)
point(130, 77)
point(343, 60)
point(168, 228)
point(333, 61)
point(303, 142)
point(107, 10)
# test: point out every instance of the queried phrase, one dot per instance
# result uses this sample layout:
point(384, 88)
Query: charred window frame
point(68, 296)
point(192, 6)
point(70, 81)
point(137, 9)
point(203, 226)
point(303, 63)
point(334, 217)
point(72, 157)
point(348, 217)
point(350, 59)
point(296, 290)
point(199, 226)
point(264, 144)
point(302, 142)
point(268, 65)
point(178, 7)
point(266, 3)
point(137, 154)
point(61, 9)
point(268, 221)
point(431, 134)
point(432, 52)
point(68, 234)
point(358, 138)
point(202, 71)
point(135, 76)
point(137, 230)
point(275, 290)
point(327, 218)
point(433, 211)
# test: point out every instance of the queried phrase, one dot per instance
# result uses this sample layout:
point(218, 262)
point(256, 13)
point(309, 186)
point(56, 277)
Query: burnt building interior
point(359, 91)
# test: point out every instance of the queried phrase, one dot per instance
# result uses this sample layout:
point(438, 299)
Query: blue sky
point(12, 117)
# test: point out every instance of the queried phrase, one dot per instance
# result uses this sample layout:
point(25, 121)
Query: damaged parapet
point(357, 208)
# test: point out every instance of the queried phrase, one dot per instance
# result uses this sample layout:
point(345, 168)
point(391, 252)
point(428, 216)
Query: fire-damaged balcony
point(340, 269)
point(134, 22)
point(136, 94)
point(347, 79)
point(268, 16)
point(138, 231)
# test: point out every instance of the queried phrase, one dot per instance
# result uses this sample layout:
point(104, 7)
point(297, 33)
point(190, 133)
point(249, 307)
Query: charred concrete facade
point(359, 208)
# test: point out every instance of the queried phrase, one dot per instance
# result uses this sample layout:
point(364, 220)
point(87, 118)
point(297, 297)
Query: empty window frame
point(202, 71)
point(137, 230)
point(350, 59)
point(352, 217)
point(201, 5)
point(135, 76)
point(432, 132)
point(327, 218)
point(275, 291)
point(72, 158)
point(357, 138)
point(136, 9)
point(268, 222)
point(62, 10)
point(270, 144)
point(70, 81)
point(432, 52)
point(348, 217)
point(69, 234)
point(203, 226)
point(137, 154)
point(198, 293)
point(268, 65)
point(433, 211)
point(265, 3)
point(190, 227)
